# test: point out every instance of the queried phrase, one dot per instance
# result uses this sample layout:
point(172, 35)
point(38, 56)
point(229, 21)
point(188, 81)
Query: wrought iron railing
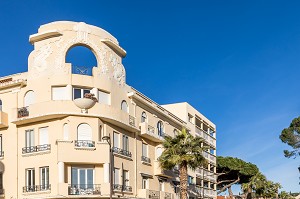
point(168, 195)
point(23, 112)
point(82, 70)
point(121, 152)
point(84, 189)
point(35, 188)
point(151, 129)
point(32, 149)
point(154, 194)
point(131, 120)
point(119, 187)
point(84, 143)
point(146, 159)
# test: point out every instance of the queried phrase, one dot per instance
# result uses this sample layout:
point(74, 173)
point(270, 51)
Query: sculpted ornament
point(40, 62)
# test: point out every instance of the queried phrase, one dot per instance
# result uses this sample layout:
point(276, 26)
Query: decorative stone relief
point(82, 30)
point(40, 62)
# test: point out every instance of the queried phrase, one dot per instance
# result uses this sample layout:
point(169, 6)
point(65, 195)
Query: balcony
point(122, 152)
point(3, 119)
point(23, 112)
point(38, 148)
point(210, 176)
point(146, 159)
point(149, 194)
point(36, 188)
point(208, 139)
point(84, 189)
point(199, 172)
point(122, 188)
point(148, 132)
point(209, 157)
point(161, 172)
point(210, 193)
point(84, 144)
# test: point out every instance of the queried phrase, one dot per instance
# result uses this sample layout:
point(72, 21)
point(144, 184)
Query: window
point(125, 143)
point(144, 117)
point(30, 179)
point(104, 97)
point(125, 178)
point(160, 128)
point(82, 177)
point(158, 152)
point(161, 185)
point(44, 136)
point(145, 182)
point(116, 140)
point(80, 92)
point(44, 178)
point(0, 105)
point(1, 149)
point(190, 118)
point(175, 132)
point(29, 138)
point(29, 98)
point(84, 132)
point(66, 131)
point(116, 176)
point(59, 93)
point(144, 150)
point(190, 180)
point(100, 134)
point(124, 106)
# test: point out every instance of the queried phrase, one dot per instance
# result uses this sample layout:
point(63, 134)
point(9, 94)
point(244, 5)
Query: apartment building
point(54, 143)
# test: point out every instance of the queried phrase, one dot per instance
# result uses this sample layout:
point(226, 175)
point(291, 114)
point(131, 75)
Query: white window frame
point(116, 135)
point(145, 147)
point(126, 177)
point(125, 142)
point(122, 107)
point(44, 177)
point(145, 182)
point(106, 94)
point(85, 169)
point(81, 92)
point(29, 138)
point(63, 90)
point(116, 176)
point(144, 117)
point(30, 175)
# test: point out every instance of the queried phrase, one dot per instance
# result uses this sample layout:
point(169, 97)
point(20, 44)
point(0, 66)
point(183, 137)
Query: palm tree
point(185, 151)
point(256, 183)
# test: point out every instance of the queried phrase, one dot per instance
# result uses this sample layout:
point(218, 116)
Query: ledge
point(37, 192)
point(122, 156)
point(44, 35)
point(113, 45)
point(36, 153)
point(146, 163)
point(85, 148)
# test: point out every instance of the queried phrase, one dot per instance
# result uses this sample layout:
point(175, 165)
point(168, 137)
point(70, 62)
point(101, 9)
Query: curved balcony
point(148, 131)
point(62, 108)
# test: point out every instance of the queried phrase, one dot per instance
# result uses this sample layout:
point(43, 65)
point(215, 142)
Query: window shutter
point(44, 136)
point(116, 140)
point(29, 98)
point(104, 98)
point(84, 132)
point(59, 93)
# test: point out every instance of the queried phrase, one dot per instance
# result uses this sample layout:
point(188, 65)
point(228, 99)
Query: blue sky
point(235, 61)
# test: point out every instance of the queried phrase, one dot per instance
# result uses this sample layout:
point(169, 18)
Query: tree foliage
point(233, 171)
point(291, 136)
point(184, 150)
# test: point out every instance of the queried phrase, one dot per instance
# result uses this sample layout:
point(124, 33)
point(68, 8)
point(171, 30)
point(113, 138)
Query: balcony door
point(84, 132)
point(82, 177)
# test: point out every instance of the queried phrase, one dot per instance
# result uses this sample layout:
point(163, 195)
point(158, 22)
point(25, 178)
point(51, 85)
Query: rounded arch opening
point(84, 132)
point(82, 59)
point(29, 98)
point(124, 106)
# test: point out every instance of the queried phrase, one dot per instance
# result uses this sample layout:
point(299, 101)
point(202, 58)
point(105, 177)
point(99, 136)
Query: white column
point(61, 172)
point(95, 92)
point(106, 170)
point(69, 92)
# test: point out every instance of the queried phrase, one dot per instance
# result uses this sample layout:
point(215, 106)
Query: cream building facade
point(51, 137)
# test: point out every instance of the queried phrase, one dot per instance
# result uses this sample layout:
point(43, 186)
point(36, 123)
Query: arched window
point(29, 98)
point(158, 152)
point(66, 131)
point(160, 128)
point(144, 117)
point(124, 106)
point(84, 132)
point(0, 105)
point(82, 60)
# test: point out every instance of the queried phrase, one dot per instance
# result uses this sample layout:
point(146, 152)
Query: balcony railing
point(131, 120)
point(121, 152)
point(118, 187)
point(35, 188)
point(84, 143)
point(154, 194)
point(1, 154)
point(146, 159)
point(168, 195)
point(23, 112)
point(84, 189)
point(33, 149)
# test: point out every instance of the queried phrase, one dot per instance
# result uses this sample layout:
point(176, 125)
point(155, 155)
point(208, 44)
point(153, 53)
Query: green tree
point(291, 136)
point(268, 190)
point(256, 182)
point(285, 195)
point(185, 151)
point(233, 171)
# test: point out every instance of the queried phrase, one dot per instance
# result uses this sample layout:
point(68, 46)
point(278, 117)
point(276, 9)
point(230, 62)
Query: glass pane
point(82, 178)
point(116, 140)
point(74, 178)
point(86, 91)
point(90, 178)
point(77, 93)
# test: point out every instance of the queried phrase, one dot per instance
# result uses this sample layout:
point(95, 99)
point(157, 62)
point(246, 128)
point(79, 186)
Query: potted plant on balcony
point(85, 103)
